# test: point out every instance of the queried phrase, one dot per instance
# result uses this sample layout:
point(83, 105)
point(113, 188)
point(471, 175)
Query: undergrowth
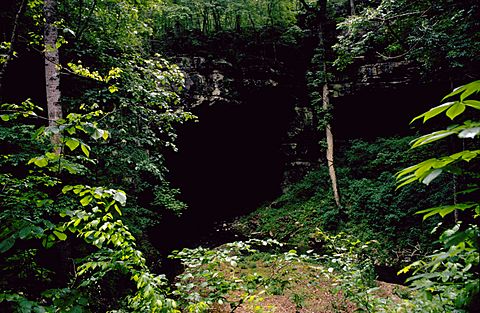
point(372, 208)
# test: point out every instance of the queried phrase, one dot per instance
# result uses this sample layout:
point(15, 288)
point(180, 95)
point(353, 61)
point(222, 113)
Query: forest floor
point(295, 287)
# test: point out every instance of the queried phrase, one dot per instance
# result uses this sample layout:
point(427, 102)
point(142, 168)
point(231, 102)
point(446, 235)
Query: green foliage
point(349, 261)
point(372, 208)
point(228, 274)
point(217, 15)
point(96, 221)
point(431, 33)
point(137, 99)
point(448, 279)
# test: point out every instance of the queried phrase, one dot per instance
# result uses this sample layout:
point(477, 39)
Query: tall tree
point(326, 99)
point(319, 81)
point(52, 73)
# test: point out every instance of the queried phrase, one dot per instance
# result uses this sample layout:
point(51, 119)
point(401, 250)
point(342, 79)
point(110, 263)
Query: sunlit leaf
point(86, 200)
point(436, 110)
point(60, 235)
point(40, 162)
point(455, 92)
point(472, 103)
point(72, 143)
point(98, 133)
point(456, 109)
point(85, 150)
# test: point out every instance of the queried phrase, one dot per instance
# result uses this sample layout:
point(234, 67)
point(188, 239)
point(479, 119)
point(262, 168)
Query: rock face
point(384, 75)
point(206, 82)
point(300, 146)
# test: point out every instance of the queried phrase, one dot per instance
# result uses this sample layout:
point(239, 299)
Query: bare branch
point(13, 40)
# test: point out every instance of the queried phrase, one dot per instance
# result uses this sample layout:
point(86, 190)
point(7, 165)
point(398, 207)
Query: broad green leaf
point(72, 143)
point(25, 232)
point(71, 130)
point(46, 242)
point(40, 162)
point(69, 167)
point(5, 117)
point(408, 180)
point(447, 210)
point(423, 140)
point(38, 132)
point(67, 188)
point(86, 200)
point(456, 109)
point(105, 135)
point(469, 155)
point(469, 91)
point(423, 169)
point(85, 150)
point(436, 110)
point(7, 244)
point(472, 103)
point(60, 235)
point(118, 210)
point(455, 91)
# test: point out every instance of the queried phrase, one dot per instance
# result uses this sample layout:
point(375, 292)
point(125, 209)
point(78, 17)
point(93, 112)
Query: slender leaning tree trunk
point(329, 136)
point(52, 73)
point(326, 101)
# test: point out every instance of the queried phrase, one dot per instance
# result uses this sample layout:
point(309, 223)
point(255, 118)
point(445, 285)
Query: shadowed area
point(228, 163)
point(375, 113)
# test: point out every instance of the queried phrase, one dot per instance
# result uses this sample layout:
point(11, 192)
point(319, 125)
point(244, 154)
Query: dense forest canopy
point(92, 102)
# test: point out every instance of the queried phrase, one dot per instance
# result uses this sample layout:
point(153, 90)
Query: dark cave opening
point(228, 163)
point(383, 112)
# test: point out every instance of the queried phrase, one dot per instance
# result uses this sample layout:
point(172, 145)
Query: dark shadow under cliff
point(228, 163)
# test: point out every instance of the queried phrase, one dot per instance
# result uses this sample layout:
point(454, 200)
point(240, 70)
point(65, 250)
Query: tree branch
point(13, 39)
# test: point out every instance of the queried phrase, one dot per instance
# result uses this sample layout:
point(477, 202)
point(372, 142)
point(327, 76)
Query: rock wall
point(384, 75)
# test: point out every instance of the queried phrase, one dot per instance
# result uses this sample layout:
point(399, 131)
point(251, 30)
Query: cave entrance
point(228, 163)
point(384, 112)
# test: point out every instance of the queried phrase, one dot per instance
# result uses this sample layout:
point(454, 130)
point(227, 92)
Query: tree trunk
point(238, 22)
point(352, 7)
point(322, 5)
point(52, 74)
point(329, 135)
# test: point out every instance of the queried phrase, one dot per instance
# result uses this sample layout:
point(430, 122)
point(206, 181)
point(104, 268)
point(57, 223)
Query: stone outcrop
point(383, 75)
point(209, 82)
